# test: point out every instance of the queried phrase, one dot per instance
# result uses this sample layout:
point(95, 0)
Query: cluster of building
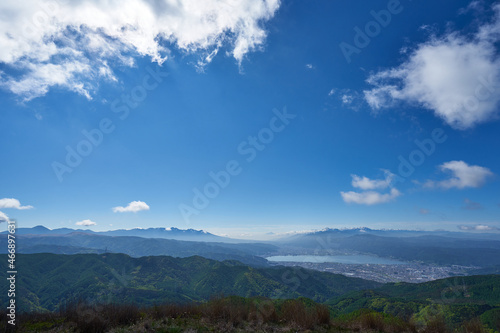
point(411, 272)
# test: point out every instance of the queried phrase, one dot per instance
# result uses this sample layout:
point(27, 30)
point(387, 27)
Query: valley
point(351, 270)
point(410, 272)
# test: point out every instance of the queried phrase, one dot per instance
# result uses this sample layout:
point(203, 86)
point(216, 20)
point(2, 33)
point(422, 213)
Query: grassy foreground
point(229, 314)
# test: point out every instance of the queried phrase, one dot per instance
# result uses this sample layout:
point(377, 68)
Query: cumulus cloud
point(462, 176)
point(369, 197)
point(479, 227)
point(3, 217)
point(366, 183)
point(85, 223)
point(73, 44)
point(455, 76)
point(134, 207)
point(12, 203)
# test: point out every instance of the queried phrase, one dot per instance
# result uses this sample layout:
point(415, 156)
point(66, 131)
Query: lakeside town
point(410, 272)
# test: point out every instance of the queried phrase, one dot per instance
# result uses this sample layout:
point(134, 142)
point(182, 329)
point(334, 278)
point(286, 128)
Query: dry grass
point(371, 321)
point(223, 314)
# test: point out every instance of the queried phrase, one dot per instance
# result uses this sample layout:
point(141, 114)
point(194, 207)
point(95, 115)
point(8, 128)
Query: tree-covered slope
point(454, 299)
point(46, 280)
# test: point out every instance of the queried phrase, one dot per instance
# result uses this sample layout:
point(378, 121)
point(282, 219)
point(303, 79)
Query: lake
point(342, 259)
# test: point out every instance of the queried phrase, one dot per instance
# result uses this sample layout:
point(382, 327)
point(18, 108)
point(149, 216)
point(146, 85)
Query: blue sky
point(121, 116)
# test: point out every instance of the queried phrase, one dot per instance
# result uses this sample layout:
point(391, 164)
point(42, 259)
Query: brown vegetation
point(223, 314)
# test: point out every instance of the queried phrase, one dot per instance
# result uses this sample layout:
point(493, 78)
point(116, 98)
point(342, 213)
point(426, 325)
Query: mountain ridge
point(154, 232)
point(155, 279)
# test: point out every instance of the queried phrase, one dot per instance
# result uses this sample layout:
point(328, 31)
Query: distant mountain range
point(167, 233)
point(339, 233)
point(82, 242)
point(430, 247)
point(204, 236)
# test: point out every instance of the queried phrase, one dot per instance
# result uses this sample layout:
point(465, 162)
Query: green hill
point(45, 281)
point(48, 282)
point(455, 300)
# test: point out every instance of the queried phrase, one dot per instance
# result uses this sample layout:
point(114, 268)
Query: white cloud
point(134, 206)
point(309, 66)
point(474, 5)
point(479, 227)
point(12, 203)
point(369, 197)
point(331, 92)
point(70, 44)
point(85, 223)
point(3, 217)
point(366, 183)
point(456, 76)
point(347, 99)
point(462, 176)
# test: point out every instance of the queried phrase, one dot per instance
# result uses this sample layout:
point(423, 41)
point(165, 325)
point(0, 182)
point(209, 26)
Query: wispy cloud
point(474, 5)
point(134, 207)
point(71, 44)
point(12, 203)
point(462, 176)
point(347, 99)
point(456, 76)
point(85, 223)
point(479, 227)
point(3, 217)
point(471, 205)
point(424, 211)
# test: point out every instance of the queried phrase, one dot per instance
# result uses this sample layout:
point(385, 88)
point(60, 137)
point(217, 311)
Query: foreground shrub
point(436, 325)
point(99, 318)
point(473, 326)
point(304, 314)
point(367, 321)
point(225, 314)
